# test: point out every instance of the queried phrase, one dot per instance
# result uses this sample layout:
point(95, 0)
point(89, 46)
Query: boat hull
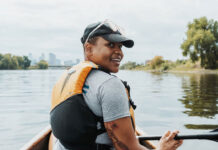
point(40, 141)
point(45, 139)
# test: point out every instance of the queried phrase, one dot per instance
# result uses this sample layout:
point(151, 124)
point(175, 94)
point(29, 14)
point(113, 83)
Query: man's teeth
point(116, 59)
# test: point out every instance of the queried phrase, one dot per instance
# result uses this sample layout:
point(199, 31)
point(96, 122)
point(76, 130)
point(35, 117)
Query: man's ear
point(88, 49)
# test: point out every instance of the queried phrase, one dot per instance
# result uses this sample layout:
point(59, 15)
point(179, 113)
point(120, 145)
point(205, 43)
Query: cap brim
point(117, 38)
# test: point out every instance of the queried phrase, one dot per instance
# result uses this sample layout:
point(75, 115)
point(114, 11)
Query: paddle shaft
point(208, 136)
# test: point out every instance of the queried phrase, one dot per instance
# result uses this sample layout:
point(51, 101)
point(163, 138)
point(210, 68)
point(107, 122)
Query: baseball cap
point(107, 30)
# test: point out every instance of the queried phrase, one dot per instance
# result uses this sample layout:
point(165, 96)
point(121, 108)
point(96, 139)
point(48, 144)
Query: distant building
point(33, 61)
point(71, 62)
point(42, 57)
point(52, 59)
point(58, 62)
point(68, 63)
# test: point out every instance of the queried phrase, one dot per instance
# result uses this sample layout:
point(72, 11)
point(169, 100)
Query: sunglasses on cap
point(110, 24)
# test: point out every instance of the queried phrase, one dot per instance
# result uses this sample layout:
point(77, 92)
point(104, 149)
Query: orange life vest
point(72, 122)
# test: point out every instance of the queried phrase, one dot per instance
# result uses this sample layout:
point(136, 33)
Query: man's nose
point(118, 50)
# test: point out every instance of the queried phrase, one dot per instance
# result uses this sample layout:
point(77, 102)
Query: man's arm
point(123, 137)
point(122, 134)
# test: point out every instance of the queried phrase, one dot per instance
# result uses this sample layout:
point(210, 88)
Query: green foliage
point(20, 62)
point(14, 63)
point(8, 61)
point(42, 65)
point(129, 65)
point(156, 62)
point(1, 56)
point(180, 62)
point(201, 42)
point(165, 66)
point(198, 100)
point(26, 62)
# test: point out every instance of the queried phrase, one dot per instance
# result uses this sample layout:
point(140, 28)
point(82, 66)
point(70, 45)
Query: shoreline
point(203, 71)
point(199, 71)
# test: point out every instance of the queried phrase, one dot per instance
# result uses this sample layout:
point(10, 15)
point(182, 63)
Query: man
point(90, 107)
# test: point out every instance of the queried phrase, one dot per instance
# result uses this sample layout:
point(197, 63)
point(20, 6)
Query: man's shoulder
point(100, 75)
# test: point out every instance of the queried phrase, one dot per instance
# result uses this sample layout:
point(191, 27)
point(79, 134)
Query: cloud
point(42, 26)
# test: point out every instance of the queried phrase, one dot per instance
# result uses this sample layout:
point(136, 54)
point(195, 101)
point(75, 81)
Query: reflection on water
point(165, 101)
point(201, 95)
point(160, 97)
point(201, 126)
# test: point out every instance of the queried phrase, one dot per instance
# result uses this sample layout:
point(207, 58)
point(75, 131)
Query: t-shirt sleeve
point(113, 100)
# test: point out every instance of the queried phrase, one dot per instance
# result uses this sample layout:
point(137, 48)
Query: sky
point(55, 26)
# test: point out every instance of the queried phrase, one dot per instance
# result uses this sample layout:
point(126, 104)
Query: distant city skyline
point(52, 59)
point(157, 27)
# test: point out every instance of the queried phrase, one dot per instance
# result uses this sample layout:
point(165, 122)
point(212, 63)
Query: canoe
point(45, 140)
point(40, 141)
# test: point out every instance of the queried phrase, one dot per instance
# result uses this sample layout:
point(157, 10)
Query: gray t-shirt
point(106, 96)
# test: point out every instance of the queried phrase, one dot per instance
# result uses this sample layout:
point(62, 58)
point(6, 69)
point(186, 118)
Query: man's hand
point(123, 136)
point(167, 141)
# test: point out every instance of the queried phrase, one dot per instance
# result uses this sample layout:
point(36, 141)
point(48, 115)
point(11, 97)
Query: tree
point(6, 62)
point(156, 61)
point(9, 61)
point(26, 62)
point(20, 62)
point(1, 56)
point(201, 42)
point(129, 65)
point(14, 63)
point(42, 64)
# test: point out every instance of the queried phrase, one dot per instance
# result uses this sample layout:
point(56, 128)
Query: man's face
point(107, 54)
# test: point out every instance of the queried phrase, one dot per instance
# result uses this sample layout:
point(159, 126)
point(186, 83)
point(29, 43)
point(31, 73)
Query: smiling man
point(107, 54)
point(91, 109)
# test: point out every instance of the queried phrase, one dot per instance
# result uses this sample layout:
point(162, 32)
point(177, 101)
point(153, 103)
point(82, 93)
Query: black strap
point(104, 147)
point(100, 126)
point(130, 99)
point(132, 103)
point(103, 69)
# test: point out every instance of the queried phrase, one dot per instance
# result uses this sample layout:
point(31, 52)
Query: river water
point(165, 101)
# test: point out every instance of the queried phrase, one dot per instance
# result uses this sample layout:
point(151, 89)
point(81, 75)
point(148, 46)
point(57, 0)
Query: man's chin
point(114, 70)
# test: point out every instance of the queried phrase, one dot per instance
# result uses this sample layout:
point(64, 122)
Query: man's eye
point(120, 46)
point(111, 45)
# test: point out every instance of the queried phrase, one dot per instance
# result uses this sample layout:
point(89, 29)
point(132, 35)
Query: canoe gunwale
point(41, 138)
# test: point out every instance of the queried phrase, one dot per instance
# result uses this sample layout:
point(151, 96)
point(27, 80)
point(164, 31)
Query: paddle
point(212, 135)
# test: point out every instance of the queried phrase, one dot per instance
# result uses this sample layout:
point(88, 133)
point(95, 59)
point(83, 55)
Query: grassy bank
point(179, 66)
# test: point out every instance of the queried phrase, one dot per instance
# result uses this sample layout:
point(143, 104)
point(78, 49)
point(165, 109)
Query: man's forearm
point(124, 142)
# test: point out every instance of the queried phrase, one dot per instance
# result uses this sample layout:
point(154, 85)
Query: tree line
point(10, 62)
point(201, 45)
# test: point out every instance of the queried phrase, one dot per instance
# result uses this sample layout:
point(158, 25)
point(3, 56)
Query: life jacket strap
point(131, 102)
point(100, 126)
point(104, 147)
point(103, 69)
